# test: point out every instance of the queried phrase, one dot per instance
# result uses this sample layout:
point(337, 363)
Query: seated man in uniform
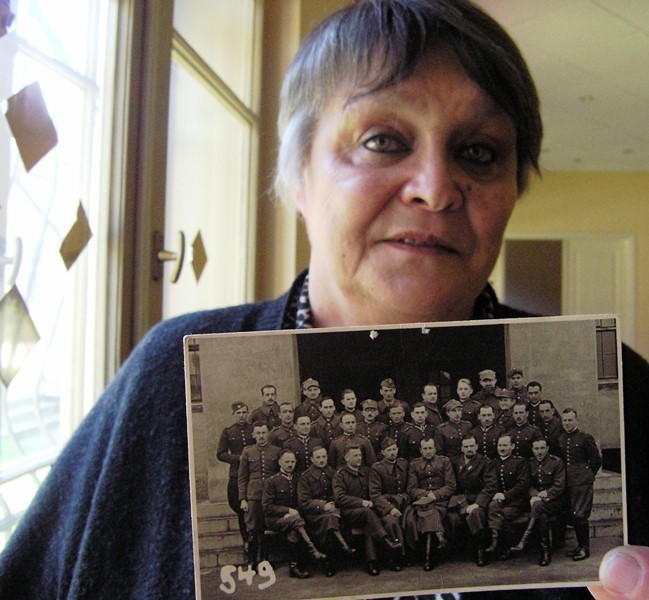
point(388, 481)
point(352, 496)
point(475, 486)
point(315, 500)
point(431, 483)
point(511, 498)
point(279, 501)
point(547, 499)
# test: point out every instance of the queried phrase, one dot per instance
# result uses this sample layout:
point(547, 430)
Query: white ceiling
point(590, 61)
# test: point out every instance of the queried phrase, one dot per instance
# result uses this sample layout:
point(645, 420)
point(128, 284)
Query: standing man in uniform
point(522, 433)
point(398, 428)
point(487, 432)
point(581, 455)
point(505, 419)
point(258, 462)
point(470, 406)
point(302, 444)
point(511, 498)
point(417, 431)
point(231, 444)
point(315, 500)
point(431, 483)
point(490, 393)
point(388, 391)
point(352, 496)
point(279, 500)
point(516, 385)
point(430, 398)
point(449, 435)
point(550, 425)
point(547, 498)
point(338, 446)
point(327, 425)
point(286, 428)
point(310, 406)
point(476, 484)
point(535, 398)
point(369, 427)
point(348, 401)
point(268, 412)
point(388, 481)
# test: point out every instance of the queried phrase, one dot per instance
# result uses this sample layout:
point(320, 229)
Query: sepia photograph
point(389, 461)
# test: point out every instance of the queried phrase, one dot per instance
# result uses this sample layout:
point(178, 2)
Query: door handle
point(161, 256)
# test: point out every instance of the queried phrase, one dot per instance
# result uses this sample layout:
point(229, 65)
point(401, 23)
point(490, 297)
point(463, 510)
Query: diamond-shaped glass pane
point(199, 257)
point(18, 334)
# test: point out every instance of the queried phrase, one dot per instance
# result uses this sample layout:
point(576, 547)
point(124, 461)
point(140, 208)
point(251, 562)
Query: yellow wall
point(594, 203)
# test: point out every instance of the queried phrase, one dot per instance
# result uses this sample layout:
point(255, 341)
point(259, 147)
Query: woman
point(409, 128)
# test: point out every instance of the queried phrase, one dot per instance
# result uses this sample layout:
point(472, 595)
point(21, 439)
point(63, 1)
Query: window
point(606, 335)
point(67, 50)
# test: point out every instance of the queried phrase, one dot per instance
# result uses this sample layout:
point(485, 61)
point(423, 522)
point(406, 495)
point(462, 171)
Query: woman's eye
point(384, 143)
point(478, 154)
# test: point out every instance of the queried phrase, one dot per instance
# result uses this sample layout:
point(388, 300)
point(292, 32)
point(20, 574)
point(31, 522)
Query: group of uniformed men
point(410, 477)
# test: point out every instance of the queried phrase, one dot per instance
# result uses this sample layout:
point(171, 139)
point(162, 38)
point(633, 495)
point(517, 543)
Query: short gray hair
point(375, 44)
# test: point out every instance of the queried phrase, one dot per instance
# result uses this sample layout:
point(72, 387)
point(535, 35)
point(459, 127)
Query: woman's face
point(406, 193)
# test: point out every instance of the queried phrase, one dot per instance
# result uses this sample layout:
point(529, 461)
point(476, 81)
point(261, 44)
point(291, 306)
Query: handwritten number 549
point(264, 570)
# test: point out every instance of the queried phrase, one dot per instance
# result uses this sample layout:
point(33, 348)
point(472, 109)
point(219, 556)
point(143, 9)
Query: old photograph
point(378, 462)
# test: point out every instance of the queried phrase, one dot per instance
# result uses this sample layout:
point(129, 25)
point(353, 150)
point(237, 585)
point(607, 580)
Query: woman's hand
point(624, 574)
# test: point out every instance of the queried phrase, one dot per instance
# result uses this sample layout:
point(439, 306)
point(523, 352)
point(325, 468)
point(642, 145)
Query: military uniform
point(513, 480)
point(548, 475)
point(326, 429)
point(374, 432)
point(505, 419)
point(350, 489)
point(337, 450)
point(432, 475)
point(280, 495)
point(523, 436)
point(388, 490)
point(281, 434)
point(357, 413)
point(231, 444)
point(487, 439)
point(384, 410)
point(475, 484)
point(308, 408)
point(449, 436)
point(551, 431)
point(398, 433)
point(302, 447)
point(470, 410)
point(519, 394)
point(268, 415)
point(533, 417)
point(413, 436)
point(583, 460)
point(314, 491)
point(433, 415)
point(492, 398)
point(257, 464)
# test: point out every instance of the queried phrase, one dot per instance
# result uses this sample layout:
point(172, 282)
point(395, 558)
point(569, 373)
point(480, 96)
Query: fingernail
point(620, 572)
